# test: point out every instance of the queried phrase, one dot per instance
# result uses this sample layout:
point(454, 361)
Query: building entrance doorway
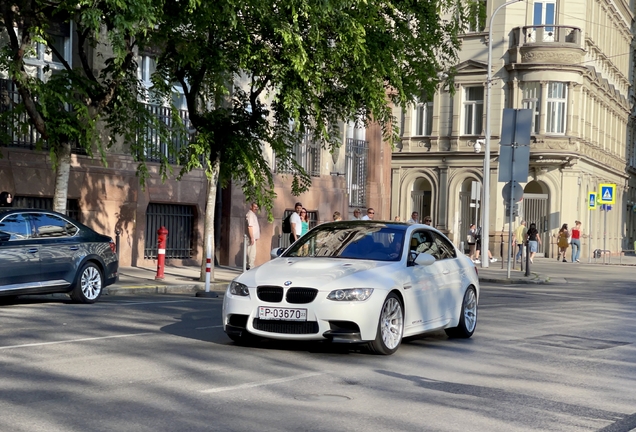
point(534, 209)
point(421, 200)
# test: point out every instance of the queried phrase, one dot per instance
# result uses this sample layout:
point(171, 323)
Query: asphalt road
point(544, 357)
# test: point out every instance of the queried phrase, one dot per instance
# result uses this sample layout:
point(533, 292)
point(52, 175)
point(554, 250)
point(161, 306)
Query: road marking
point(262, 383)
point(201, 328)
point(72, 341)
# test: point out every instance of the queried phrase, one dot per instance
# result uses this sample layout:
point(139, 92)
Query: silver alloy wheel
point(391, 323)
point(470, 310)
point(91, 282)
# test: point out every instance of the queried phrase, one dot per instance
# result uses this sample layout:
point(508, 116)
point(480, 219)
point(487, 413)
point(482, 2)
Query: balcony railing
point(156, 148)
point(16, 128)
point(306, 154)
point(547, 34)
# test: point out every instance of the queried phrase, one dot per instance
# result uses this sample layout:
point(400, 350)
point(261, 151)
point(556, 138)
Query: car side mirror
point(424, 259)
point(275, 253)
point(4, 236)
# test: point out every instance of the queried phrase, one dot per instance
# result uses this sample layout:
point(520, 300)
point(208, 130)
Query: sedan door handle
point(34, 250)
point(74, 248)
point(446, 271)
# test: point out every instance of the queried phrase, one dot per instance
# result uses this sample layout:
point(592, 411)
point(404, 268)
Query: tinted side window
point(422, 241)
point(17, 226)
point(48, 225)
point(444, 249)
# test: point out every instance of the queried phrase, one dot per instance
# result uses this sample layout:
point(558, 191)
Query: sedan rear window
point(357, 241)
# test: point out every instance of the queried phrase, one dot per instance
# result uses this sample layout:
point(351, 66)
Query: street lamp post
point(485, 228)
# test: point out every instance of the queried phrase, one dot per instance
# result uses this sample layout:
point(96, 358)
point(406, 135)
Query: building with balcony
point(571, 63)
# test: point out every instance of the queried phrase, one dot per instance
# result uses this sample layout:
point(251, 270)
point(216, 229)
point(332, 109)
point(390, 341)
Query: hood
point(318, 273)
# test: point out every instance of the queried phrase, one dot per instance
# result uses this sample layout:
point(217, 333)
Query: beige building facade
point(568, 61)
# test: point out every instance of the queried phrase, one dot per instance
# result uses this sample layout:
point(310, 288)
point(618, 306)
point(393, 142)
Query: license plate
point(267, 313)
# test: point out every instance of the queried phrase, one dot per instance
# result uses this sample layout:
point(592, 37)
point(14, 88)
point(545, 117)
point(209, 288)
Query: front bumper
point(344, 322)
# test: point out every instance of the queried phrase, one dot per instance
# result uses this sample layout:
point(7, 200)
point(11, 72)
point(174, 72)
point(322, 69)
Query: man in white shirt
point(296, 223)
point(414, 218)
point(370, 214)
point(254, 233)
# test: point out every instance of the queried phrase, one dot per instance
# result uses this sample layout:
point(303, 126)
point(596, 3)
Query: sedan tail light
point(113, 247)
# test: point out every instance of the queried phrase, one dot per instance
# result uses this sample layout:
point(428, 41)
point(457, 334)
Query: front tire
point(390, 327)
point(89, 285)
point(467, 317)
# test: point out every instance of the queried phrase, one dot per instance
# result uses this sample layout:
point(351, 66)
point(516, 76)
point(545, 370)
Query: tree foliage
point(64, 107)
point(258, 72)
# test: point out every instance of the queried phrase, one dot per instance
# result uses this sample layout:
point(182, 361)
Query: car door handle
point(446, 271)
point(32, 250)
point(74, 248)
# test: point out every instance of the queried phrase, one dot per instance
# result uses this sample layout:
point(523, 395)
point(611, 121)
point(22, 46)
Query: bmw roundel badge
point(288, 283)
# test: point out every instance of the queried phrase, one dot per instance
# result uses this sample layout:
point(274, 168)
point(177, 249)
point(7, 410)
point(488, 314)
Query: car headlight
point(238, 289)
point(351, 294)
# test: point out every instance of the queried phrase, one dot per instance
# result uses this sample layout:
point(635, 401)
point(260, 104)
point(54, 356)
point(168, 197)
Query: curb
point(217, 287)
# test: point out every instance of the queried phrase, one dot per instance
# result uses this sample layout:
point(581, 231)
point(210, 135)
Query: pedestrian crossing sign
point(592, 201)
point(607, 193)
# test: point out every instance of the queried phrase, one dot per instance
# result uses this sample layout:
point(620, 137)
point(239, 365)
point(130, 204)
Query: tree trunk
point(208, 229)
point(62, 174)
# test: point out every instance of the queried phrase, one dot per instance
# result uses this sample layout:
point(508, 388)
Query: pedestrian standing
point(576, 241)
point(304, 222)
point(520, 237)
point(415, 218)
point(428, 221)
point(296, 223)
point(470, 239)
point(562, 242)
point(370, 214)
point(336, 216)
point(356, 214)
point(254, 233)
point(6, 199)
point(533, 239)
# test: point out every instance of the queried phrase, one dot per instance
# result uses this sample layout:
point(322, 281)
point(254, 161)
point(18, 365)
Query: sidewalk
point(177, 279)
point(141, 280)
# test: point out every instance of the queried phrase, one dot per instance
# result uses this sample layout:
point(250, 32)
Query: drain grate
point(574, 342)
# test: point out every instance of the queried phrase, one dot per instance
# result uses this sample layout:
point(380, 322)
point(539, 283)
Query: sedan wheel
point(468, 317)
point(89, 284)
point(390, 327)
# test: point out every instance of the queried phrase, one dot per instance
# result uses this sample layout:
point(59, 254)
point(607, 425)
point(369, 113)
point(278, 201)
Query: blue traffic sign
point(607, 193)
point(592, 201)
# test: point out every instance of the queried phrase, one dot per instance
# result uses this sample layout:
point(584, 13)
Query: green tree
point(65, 105)
point(258, 72)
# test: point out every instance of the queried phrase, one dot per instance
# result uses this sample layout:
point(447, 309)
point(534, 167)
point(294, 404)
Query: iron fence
point(179, 221)
point(45, 203)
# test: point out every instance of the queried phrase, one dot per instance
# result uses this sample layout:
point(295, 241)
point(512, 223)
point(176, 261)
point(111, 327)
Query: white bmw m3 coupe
point(357, 282)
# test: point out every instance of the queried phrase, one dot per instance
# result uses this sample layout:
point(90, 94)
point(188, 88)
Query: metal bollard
point(244, 253)
point(162, 237)
point(117, 232)
point(527, 247)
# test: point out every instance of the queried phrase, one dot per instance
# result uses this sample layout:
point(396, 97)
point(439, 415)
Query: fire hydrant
point(162, 237)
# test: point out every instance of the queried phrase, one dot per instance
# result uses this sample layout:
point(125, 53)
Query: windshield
point(351, 240)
